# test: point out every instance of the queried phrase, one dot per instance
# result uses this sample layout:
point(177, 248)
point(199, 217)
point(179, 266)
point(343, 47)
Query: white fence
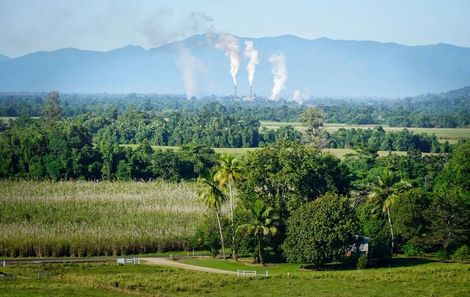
point(124, 261)
point(251, 273)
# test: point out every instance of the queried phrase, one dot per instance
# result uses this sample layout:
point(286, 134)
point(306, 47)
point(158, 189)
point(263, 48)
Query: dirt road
point(176, 264)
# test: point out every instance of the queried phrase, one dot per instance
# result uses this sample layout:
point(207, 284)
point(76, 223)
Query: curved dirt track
point(176, 264)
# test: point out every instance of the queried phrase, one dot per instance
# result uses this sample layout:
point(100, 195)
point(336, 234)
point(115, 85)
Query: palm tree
point(262, 223)
point(384, 193)
point(213, 198)
point(227, 175)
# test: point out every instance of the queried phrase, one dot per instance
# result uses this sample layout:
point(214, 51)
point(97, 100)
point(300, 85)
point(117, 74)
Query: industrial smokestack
point(252, 54)
point(235, 92)
point(229, 45)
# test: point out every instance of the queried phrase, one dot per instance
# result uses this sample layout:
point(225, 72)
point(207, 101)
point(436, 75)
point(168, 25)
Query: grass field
point(96, 218)
point(426, 279)
point(450, 134)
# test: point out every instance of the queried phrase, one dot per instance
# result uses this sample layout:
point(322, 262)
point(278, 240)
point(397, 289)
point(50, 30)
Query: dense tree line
point(60, 149)
point(65, 151)
point(378, 139)
point(451, 109)
point(213, 127)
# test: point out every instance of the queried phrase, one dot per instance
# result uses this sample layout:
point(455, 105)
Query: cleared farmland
point(443, 134)
point(96, 218)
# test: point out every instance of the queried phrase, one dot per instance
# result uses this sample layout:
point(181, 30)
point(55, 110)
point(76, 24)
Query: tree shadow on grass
point(398, 262)
point(372, 263)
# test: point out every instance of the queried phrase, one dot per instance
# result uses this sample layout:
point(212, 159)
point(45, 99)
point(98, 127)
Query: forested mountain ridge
point(3, 58)
point(320, 67)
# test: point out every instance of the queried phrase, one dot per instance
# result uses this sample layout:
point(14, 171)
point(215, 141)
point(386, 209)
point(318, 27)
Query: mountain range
point(319, 67)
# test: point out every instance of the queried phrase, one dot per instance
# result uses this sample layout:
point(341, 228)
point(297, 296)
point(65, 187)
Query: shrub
point(442, 255)
point(413, 250)
point(207, 235)
point(461, 253)
point(362, 262)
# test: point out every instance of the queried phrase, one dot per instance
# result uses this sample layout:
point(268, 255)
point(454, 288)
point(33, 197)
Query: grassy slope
point(432, 279)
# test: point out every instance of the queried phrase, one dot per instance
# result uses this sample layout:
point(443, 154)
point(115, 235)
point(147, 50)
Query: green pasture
point(418, 279)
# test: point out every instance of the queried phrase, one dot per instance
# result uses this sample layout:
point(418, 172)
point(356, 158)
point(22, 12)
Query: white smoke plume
point(229, 45)
point(279, 72)
point(299, 97)
point(188, 65)
point(252, 54)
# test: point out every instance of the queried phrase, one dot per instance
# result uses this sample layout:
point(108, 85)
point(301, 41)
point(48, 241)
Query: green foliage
point(52, 109)
point(285, 133)
point(413, 250)
point(376, 229)
point(65, 150)
point(362, 262)
point(383, 194)
point(261, 223)
point(462, 253)
point(313, 119)
point(409, 214)
point(320, 231)
point(377, 139)
point(449, 215)
point(213, 197)
point(207, 235)
point(456, 173)
point(213, 127)
point(287, 176)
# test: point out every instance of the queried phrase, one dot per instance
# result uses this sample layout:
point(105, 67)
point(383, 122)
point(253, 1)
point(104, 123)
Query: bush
point(207, 235)
point(413, 250)
point(461, 253)
point(320, 231)
point(362, 262)
point(442, 255)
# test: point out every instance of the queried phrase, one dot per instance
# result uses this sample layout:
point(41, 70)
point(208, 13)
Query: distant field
point(420, 279)
point(339, 153)
point(6, 119)
point(451, 134)
point(96, 218)
point(220, 150)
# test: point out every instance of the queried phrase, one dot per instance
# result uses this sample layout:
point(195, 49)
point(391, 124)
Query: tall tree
point(213, 198)
point(52, 109)
point(261, 224)
point(450, 224)
point(227, 175)
point(313, 119)
point(383, 195)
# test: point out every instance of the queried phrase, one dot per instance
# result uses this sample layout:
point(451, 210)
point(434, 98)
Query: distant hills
point(3, 58)
point(319, 67)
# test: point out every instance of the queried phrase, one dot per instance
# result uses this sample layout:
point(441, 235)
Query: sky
point(30, 25)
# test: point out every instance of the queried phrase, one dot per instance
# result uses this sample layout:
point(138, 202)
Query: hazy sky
point(30, 25)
